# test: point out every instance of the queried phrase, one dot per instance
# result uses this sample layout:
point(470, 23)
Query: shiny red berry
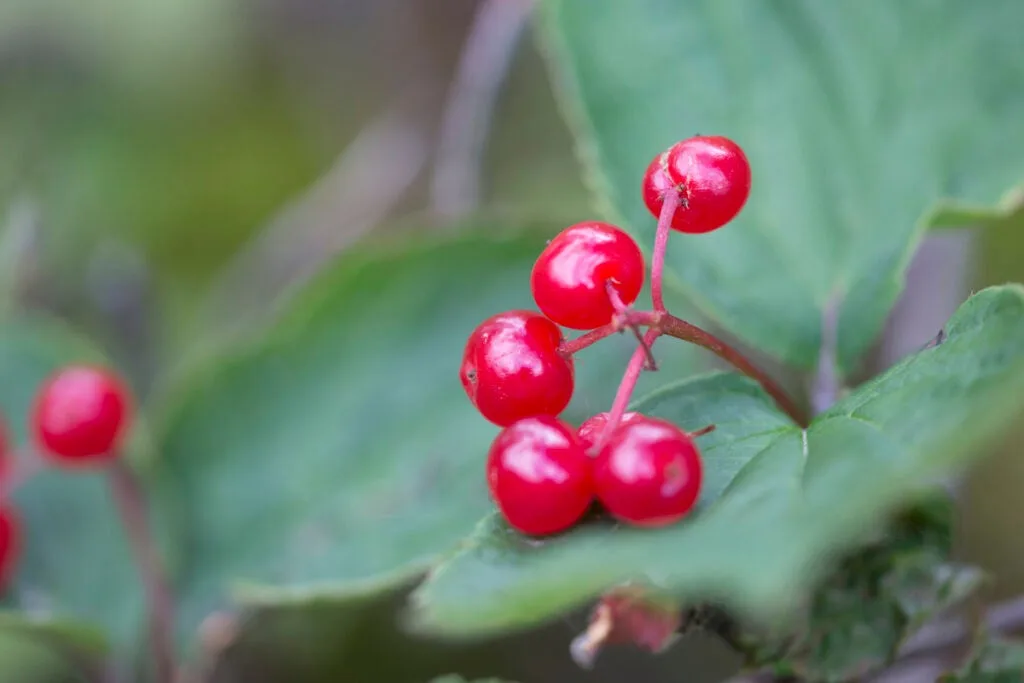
point(711, 175)
point(10, 545)
point(571, 276)
point(511, 368)
point(539, 476)
point(80, 415)
point(649, 473)
point(591, 429)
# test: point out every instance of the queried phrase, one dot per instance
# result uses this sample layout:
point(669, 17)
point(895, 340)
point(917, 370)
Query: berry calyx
point(592, 428)
point(649, 473)
point(539, 476)
point(10, 545)
point(80, 414)
point(711, 175)
point(571, 276)
point(512, 368)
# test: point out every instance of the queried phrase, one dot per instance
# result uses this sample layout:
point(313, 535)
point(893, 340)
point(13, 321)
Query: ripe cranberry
point(539, 476)
point(10, 545)
point(571, 275)
point(649, 473)
point(590, 431)
point(511, 368)
point(711, 175)
point(80, 414)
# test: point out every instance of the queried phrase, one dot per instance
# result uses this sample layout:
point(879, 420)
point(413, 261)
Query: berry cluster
point(518, 368)
point(78, 420)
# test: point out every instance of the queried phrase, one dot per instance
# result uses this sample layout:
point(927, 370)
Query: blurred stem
point(466, 120)
point(131, 504)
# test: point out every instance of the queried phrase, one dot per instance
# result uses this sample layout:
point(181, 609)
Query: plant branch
point(483, 64)
point(668, 211)
point(680, 329)
point(127, 494)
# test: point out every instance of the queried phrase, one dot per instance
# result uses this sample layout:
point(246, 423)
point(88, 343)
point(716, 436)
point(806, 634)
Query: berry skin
point(590, 431)
point(712, 176)
point(569, 277)
point(80, 415)
point(539, 476)
point(649, 474)
point(10, 545)
point(511, 368)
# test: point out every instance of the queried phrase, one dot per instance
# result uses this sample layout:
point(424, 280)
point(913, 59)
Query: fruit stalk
point(626, 386)
point(668, 212)
point(131, 505)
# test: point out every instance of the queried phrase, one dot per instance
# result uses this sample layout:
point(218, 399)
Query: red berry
point(590, 431)
point(649, 473)
point(569, 277)
point(539, 476)
point(10, 545)
point(80, 414)
point(711, 175)
point(512, 368)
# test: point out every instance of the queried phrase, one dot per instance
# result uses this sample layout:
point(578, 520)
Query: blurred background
point(167, 167)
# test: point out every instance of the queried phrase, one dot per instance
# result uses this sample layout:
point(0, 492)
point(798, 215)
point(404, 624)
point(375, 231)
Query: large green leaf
point(340, 457)
point(858, 118)
point(76, 578)
point(793, 499)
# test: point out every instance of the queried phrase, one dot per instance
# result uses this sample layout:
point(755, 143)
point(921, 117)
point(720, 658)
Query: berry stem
point(127, 494)
point(668, 211)
point(680, 329)
point(626, 387)
point(572, 346)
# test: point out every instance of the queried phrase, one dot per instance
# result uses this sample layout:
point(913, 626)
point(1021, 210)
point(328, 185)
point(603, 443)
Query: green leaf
point(340, 457)
point(858, 118)
point(76, 576)
point(793, 500)
point(994, 659)
point(859, 618)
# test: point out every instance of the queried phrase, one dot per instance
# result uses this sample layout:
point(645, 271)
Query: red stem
point(626, 387)
point(668, 211)
point(127, 494)
point(571, 346)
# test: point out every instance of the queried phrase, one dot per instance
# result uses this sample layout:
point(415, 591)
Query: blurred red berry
point(80, 415)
